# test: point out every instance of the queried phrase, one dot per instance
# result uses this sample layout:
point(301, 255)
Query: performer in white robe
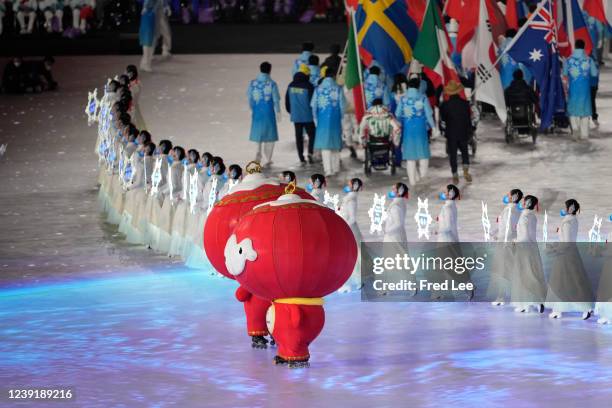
point(503, 255)
point(448, 245)
point(348, 211)
point(569, 289)
point(136, 89)
point(192, 234)
point(156, 200)
point(172, 191)
point(316, 188)
point(528, 287)
point(182, 213)
point(395, 224)
point(197, 258)
point(233, 179)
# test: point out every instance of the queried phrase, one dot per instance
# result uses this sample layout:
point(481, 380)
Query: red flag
point(454, 8)
point(511, 14)
point(597, 10)
point(469, 21)
point(416, 10)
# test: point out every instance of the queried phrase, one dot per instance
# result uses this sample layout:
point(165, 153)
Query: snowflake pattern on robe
point(579, 68)
point(327, 97)
point(261, 91)
point(413, 107)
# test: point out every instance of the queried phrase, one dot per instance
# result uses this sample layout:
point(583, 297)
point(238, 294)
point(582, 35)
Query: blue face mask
point(309, 187)
point(563, 213)
point(346, 189)
point(141, 153)
point(199, 165)
point(185, 162)
point(506, 199)
point(392, 194)
point(208, 172)
point(170, 160)
point(442, 196)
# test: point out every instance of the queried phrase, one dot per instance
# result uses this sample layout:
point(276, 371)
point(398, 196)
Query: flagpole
point(520, 32)
point(361, 79)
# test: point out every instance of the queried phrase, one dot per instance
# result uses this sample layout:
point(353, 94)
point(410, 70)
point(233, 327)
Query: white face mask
point(316, 184)
point(571, 209)
point(514, 198)
point(451, 194)
point(528, 204)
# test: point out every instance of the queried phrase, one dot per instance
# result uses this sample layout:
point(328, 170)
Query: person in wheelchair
point(521, 101)
point(379, 132)
point(379, 125)
point(519, 93)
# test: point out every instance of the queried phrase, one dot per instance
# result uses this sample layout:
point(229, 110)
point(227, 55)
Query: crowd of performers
point(160, 194)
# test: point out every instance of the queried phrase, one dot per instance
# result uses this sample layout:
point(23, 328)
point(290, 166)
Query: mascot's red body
point(292, 252)
point(254, 189)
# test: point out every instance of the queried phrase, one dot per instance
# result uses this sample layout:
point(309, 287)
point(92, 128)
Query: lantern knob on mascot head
point(292, 251)
point(254, 189)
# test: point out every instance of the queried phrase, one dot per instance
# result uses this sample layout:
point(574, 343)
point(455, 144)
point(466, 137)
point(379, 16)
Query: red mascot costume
point(292, 251)
point(254, 189)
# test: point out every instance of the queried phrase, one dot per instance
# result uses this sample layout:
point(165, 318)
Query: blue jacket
point(579, 69)
point(298, 98)
point(264, 101)
point(328, 105)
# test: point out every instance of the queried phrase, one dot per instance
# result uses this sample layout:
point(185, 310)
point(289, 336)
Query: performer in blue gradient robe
point(579, 69)
point(264, 101)
point(328, 106)
point(416, 116)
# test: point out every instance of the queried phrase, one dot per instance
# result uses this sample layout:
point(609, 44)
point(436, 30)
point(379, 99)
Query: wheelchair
point(379, 155)
point(521, 122)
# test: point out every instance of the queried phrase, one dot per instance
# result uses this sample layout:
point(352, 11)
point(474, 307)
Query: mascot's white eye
point(236, 254)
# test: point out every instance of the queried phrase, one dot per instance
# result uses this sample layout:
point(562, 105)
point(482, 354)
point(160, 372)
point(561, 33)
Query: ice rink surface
point(124, 327)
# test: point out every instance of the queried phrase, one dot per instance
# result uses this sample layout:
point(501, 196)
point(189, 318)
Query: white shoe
point(603, 320)
point(146, 68)
point(586, 315)
point(520, 309)
point(554, 315)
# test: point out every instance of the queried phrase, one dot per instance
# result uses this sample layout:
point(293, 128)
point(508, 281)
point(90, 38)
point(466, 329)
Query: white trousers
point(147, 58)
point(331, 161)
point(267, 148)
point(31, 18)
point(162, 27)
point(580, 126)
point(414, 174)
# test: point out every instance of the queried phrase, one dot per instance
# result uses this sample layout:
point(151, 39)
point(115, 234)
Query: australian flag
point(536, 48)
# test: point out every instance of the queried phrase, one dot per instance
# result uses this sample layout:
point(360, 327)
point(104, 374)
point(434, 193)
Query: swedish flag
point(387, 32)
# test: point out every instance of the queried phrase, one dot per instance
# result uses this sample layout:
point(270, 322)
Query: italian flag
point(352, 73)
point(432, 48)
